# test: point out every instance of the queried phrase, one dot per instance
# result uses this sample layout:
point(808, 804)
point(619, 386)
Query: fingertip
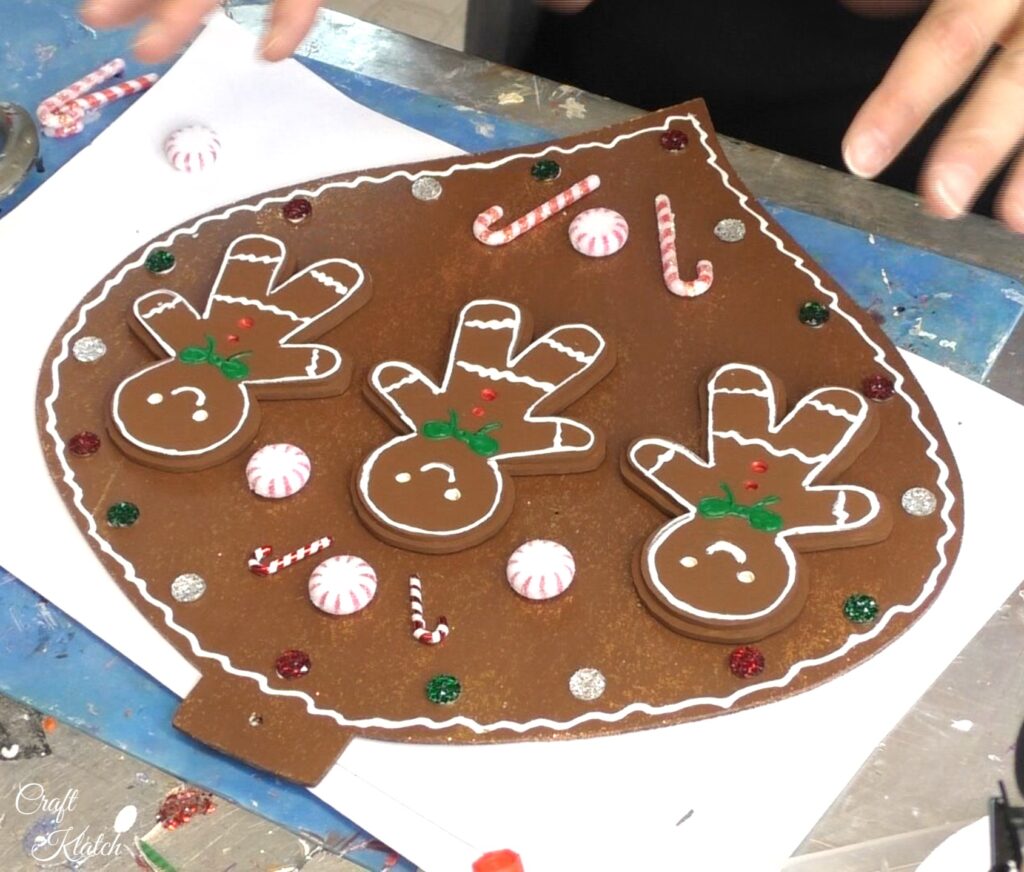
point(866, 153)
point(152, 46)
point(1011, 211)
point(99, 14)
point(277, 47)
point(949, 189)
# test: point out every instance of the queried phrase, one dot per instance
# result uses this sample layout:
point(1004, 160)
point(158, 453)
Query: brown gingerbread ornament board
point(644, 457)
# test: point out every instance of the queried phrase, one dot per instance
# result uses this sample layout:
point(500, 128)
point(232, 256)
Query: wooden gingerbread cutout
point(445, 484)
point(196, 408)
point(728, 569)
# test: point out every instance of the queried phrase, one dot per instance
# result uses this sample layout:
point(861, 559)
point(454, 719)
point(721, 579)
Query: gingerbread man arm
point(559, 356)
point(545, 436)
point(290, 363)
point(321, 295)
point(743, 404)
point(169, 319)
point(411, 396)
point(830, 426)
point(675, 472)
point(248, 271)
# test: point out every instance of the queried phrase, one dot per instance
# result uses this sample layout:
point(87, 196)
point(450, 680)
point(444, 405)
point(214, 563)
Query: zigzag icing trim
point(578, 356)
point(259, 304)
point(494, 374)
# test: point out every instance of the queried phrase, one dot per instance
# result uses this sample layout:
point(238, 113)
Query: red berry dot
point(83, 444)
point(478, 411)
point(878, 387)
point(488, 394)
point(746, 661)
point(758, 466)
point(232, 337)
point(245, 323)
point(750, 485)
point(674, 140)
point(292, 663)
point(297, 210)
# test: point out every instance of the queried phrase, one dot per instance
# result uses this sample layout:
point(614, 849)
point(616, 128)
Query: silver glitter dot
point(88, 349)
point(427, 188)
point(919, 502)
point(730, 230)
point(587, 684)
point(188, 588)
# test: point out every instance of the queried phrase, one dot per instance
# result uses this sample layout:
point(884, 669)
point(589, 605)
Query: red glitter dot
point(245, 323)
point(232, 337)
point(750, 485)
point(746, 662)
point(292, 664)
point(183, 804)
point(488, 394)
point(878, 387)
point(83, 444)
point(674, 140)
point(297, 210)
point(478, 411)
point(758, 466)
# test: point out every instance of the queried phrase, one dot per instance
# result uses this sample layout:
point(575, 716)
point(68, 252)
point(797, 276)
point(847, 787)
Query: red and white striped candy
point(278, 471)
point(342, 585)
point(598, 232)
point(540, 569)
point(192, 149)
point(116, 92)
point(484, 221)
point(669, 261)
point(259, 565)
point(63, 114)
point(51, 106)
point(419, 626)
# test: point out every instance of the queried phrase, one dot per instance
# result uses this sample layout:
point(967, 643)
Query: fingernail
point(866, 155)
point(954, 187)
point(269, 44)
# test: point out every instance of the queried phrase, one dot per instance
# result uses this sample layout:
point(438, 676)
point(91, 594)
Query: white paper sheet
point(756, 781)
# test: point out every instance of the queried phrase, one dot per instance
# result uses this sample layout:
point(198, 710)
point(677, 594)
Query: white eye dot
point(689, 562)
point(155, 399)
point(746, 577)
point(403, 478)
point(200, 415)
point(453, 494)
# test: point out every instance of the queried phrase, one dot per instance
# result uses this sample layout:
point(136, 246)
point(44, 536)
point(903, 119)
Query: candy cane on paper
point(419, 626)
point(669, 260)
point(259, 555)
point(485, 220)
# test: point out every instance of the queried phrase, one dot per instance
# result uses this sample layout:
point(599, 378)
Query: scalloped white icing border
point(852, 641)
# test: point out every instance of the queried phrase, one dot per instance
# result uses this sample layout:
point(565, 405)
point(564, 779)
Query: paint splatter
point(153, 859)
point(1014, 296)
point(964, 726)
point(182, 804)
point(511, 98)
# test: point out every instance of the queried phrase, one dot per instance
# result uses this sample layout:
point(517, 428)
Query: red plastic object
point(499, 861)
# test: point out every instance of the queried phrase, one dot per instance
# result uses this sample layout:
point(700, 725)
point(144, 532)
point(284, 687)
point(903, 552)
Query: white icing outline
point(737, 553)
point(775, 426)
point(416, 375)
point(175, 299)
point(723, 703)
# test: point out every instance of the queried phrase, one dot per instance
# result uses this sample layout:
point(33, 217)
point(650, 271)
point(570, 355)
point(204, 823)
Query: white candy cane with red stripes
point(669, 260)
point(63, 114)
point(259, 555)
point(419, 626)
point(485, 220)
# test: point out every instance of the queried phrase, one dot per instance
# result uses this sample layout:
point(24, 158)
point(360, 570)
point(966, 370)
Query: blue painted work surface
point(952, 313)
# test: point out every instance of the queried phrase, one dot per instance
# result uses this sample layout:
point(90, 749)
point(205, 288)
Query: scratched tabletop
point(951, 293)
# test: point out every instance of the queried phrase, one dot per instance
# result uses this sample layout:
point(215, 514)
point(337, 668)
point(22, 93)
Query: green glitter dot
point(122, 514)
point(546, 170)
point(443, 689)
point(814, 314)
point(160, 261)
point(861, 608)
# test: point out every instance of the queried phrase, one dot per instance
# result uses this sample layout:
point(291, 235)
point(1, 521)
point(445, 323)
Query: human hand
point(172, 22)
point(942, 53)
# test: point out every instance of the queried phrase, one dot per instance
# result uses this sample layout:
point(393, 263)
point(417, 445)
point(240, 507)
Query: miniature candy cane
point(669, 262)
point(419, 626)
point(482, 226)
point(258, 567)
point(63, 114)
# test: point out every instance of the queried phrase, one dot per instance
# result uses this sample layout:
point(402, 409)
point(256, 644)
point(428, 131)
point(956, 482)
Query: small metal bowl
point(19, 146)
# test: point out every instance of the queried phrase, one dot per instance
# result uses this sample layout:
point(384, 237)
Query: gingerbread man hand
point(726, 569)
point(197, 407)
point(445, 485)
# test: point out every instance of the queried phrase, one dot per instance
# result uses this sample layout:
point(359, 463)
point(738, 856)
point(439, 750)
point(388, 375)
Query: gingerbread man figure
point(197, 407)
point(445, 484)
point(728, 569)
